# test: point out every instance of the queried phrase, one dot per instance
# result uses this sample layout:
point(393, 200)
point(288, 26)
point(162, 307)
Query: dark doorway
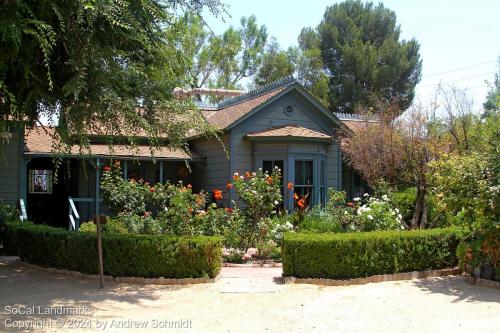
point(48, 191)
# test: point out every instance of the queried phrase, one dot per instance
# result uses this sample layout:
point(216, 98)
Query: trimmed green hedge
point(124, 255)
point(362, 254)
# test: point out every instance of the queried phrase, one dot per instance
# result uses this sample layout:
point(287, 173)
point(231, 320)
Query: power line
point(461, 68)
point(461, 79)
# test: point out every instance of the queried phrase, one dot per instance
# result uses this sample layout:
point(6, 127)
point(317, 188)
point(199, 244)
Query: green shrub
point(320, 222)
point(124, 254)
point(353, 255)
point(8, 213)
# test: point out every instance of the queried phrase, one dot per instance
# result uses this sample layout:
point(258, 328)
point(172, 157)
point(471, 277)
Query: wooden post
point(99, 252)
point(98, 222)
point(161, 172)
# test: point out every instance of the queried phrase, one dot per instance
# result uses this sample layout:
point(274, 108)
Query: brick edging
point(270, 265)
point(482, 282)
point(119, 279)
point(375, 278)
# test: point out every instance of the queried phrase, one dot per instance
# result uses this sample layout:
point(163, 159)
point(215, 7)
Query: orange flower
point(228, 210)
point(190, 210)
point(229, 186)
point(189, 186)
point(117, 163)
point(217, 194)
point(350, 204)
point(295, 196)
point(269, 180)
point(289, 186)
point(248, 175)
point(151, 189)
point(236, 176)
point(301, 203)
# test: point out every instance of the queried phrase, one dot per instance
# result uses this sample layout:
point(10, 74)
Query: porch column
point(97, 174)
point(125, 169)
point(161, 172)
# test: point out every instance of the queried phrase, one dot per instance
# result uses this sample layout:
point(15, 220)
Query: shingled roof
point(38, 141)
point(226, 113)
point(289, 131)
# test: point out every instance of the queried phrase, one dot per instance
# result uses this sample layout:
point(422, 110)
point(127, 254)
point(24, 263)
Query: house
point(278, 125)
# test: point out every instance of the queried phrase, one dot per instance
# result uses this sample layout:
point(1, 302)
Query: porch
point(52, 193)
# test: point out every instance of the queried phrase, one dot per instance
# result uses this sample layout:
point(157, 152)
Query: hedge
point(354, 255)
point(123, 255)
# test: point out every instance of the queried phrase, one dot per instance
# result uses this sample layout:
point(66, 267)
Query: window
point(40, 181)
point(304, 180)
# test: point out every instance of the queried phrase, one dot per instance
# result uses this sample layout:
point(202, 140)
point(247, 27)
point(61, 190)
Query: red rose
point(228, 210)
point(229, 186)
point(217, 194)
point(107, 169)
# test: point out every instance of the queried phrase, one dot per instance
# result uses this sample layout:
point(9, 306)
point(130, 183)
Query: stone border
point(482, 282)
point(119, 279)
point(274, 264)
point(375, 278)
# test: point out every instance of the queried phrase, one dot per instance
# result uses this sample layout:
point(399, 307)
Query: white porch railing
point(74, 216)
point(22, 206)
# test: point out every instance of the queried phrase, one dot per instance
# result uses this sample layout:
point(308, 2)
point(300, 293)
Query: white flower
point(259, 169)
point(400, 216)
point(366, 195)
point(385, 197)
point(236, 174)
point(241, 177)
point(396, 210)
point(370, 217)
point(254, 174)
point(276, 202)
point(402, 227)
point(254, 192)
point(345, 212)
point(356, 199)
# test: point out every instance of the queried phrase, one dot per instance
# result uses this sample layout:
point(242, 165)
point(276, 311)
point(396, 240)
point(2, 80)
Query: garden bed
point(124, 255)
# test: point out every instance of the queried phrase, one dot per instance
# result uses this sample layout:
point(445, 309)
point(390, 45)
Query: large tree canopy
point(103, 66)
point(219, 61)
point(364, 57)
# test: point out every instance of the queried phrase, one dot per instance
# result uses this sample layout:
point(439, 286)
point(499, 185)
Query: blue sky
point(453, 34)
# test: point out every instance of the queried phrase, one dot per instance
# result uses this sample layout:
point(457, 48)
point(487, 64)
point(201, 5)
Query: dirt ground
point(243, 300)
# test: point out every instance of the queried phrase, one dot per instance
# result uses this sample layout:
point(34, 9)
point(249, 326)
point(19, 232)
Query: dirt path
point(244, 301)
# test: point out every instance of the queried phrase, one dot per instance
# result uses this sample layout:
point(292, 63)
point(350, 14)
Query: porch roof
point(289, 131)
point(38, 142)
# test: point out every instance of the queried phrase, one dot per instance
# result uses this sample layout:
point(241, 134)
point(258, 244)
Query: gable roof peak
point(258, 91)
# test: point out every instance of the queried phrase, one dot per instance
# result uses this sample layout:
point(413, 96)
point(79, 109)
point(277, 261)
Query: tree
point(102, 66)
point(276, 64)
point(397, 150)
point(364, 57)
point(492, 103)
point(254, 40)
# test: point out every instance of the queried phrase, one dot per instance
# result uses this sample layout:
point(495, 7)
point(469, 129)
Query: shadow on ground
point(24, 287)
point(457, 288)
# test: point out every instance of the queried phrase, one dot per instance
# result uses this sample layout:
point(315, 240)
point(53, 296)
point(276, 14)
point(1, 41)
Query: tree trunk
point(420, 207)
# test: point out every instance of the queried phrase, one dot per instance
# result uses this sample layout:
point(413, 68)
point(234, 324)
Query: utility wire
point(461, 68)
point(461, 79)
